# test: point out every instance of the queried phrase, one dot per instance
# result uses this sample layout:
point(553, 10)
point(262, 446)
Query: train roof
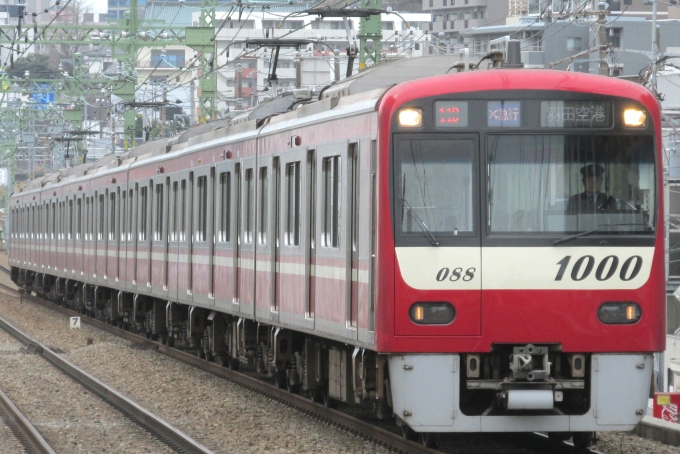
point(362, 90)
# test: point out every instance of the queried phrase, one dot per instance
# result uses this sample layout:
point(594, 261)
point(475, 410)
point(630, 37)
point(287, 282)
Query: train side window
point(225, 208)
point(250, 207)
point(292, 233)
point(330, 232)
point(142, 213)
point(173, 212)
point(202, 224)
point(46, 230)
point(158, 227)
point(131, 214)
point(53, 227)
point(79, 218)
point(123, 211)
point(100, 233)
point(183, 212)
point(112, 217)
point(264, 206)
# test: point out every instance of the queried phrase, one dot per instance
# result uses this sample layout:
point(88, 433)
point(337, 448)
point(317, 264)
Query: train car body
point(472, 252)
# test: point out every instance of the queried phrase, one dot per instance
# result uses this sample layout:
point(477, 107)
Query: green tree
point(36, 64)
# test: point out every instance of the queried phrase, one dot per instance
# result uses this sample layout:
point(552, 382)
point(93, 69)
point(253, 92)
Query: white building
point(403, 36)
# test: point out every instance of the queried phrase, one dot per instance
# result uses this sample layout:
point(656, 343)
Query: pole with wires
point(655, 47)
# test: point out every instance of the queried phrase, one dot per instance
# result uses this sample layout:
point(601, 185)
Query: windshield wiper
point(588, 232)
point(429, 235)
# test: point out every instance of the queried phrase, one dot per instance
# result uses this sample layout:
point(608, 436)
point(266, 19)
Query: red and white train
point(480, 251)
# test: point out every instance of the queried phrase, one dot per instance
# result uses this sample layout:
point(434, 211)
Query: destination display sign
point(576, 114)
point(504, 114)
point(451, 114)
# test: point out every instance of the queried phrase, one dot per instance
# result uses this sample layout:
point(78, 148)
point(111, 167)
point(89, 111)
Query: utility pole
point(370, 29)
point(239, 86)
point(298, 70)
point(202, 40)
point(601, 41)
point(655, 47)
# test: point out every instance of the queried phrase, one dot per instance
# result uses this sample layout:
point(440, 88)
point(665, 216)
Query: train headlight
point(411, 118)
point(619, 313)
point(439, 313)
point(635, 118)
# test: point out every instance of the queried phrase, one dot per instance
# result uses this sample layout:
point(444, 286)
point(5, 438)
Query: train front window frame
point(435, 189)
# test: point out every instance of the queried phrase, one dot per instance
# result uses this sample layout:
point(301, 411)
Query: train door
point(69, 250)
point(201, 256)
point(89, 248)
point(226, 239)
point(292, 269)
point(143, 277)
point(185, 233)
point(265, 236)
point(78, 237)
point(103, 237)
point(127, 239)
point(174, 216)
point(122, 235)
point(333, 254)
point(112, 235)
point(246, 251)
point(34, 240)
point(159, 236)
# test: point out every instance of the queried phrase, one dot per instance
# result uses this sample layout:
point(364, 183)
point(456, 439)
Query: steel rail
point(353, 425)
point(157, 426)
point(27, 434)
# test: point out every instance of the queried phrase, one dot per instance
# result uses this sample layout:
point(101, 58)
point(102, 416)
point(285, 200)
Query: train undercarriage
point(331, 372)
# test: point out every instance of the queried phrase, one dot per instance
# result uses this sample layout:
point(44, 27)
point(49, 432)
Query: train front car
point(521, 241)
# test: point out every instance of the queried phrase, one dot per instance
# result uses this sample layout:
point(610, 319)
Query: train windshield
point(435, 186)
point(571, 183)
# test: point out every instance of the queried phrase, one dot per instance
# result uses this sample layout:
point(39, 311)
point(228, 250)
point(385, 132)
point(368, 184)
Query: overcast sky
point(98, 6)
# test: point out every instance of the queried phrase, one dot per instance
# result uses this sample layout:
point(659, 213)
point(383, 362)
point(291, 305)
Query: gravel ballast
point(70, 418)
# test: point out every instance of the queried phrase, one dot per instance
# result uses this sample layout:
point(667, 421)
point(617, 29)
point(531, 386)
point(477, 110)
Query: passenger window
point(202, 225)
point(183, 212)
point(79, 218)
point(143, 213)
point(123, 208)
point(250, 208)
point(158, 228)
point(173, 213)
point(112, 217)
point(131, 214)
point(100, 233)
point(292, 233)
point(330, 232)
point(264, 205)
point(225, 215)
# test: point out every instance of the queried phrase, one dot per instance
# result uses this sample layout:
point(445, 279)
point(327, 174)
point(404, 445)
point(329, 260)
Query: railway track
point(366, 430)
point(22, 428)
point(159, 428)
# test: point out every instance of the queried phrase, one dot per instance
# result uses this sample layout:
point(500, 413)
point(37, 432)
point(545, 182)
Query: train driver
point(591, 201)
